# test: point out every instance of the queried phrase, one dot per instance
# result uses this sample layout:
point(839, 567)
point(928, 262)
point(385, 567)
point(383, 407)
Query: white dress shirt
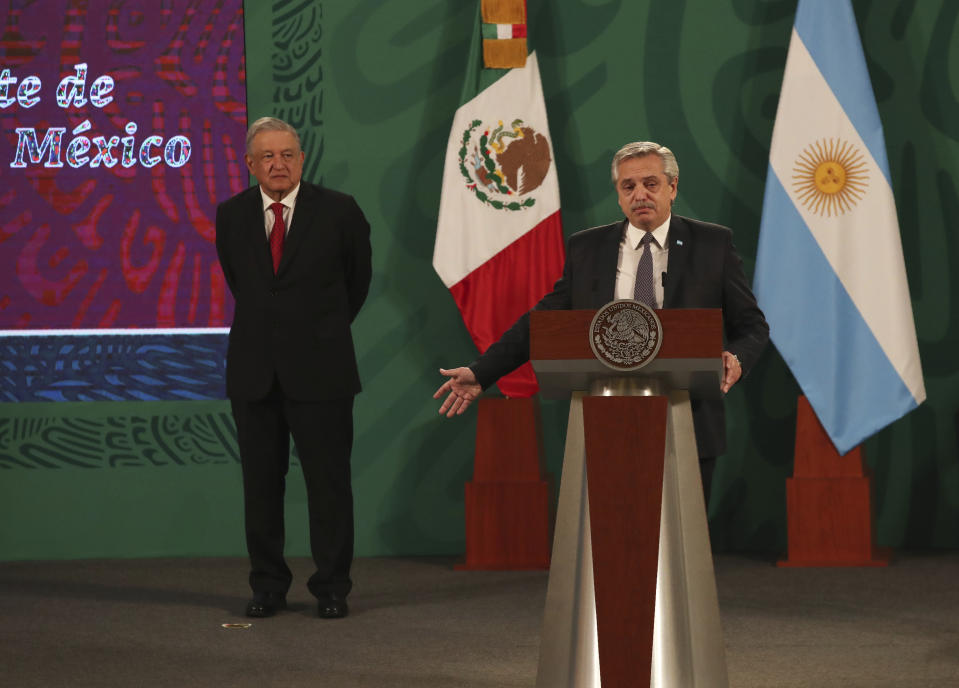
point(631, 250)
point(289, 202)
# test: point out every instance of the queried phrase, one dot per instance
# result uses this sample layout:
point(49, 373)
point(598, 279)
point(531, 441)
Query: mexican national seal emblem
point(626, 334)
point(503, 165)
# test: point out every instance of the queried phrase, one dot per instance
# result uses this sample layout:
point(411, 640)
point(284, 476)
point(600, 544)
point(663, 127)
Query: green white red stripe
point(500, 31)
point(497, 262)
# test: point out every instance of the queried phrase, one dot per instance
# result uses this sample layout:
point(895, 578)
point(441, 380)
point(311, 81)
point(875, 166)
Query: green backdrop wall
point(144, 479)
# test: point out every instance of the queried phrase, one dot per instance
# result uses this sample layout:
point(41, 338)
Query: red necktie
point(277, 235)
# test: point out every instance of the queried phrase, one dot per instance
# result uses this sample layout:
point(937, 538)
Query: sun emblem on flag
point(830, 177)
point(503, 164)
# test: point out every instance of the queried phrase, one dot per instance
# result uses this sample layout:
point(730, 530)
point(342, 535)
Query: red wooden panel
point(828, 507)
point(508, 440)
point(507, 526)
point(830, 523)
point(816, 456)
point(625, 449)
point(507, 504)
point(687, 333)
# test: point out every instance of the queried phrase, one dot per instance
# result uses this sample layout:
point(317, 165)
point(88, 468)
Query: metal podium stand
point(632, 590)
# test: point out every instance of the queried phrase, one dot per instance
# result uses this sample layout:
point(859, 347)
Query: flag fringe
point(504, 53)
point(504, 11)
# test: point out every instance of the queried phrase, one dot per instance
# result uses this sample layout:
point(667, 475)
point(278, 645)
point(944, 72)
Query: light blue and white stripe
point(833, 286)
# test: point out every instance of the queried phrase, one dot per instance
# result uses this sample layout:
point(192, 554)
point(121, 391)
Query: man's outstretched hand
point(461, 387)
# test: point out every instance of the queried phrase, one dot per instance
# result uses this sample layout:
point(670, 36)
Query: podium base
point(881, 556)
point(682, 643)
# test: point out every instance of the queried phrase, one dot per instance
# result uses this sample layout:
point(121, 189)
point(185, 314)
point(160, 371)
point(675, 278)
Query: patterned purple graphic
point(121, 127)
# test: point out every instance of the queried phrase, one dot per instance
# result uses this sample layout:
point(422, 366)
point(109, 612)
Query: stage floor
point(417, 623)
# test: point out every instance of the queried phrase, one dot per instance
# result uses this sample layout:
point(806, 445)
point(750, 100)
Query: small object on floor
point(265, 604)
point(237, 626)
point(332, 606)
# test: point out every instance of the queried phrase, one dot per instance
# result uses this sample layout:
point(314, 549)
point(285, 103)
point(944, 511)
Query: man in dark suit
point(695, 265)
point(296, 257)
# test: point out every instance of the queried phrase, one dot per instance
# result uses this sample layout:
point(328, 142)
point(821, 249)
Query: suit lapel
point(679, 238)
point(255, 231)
point(307, 202)
point(607, 258)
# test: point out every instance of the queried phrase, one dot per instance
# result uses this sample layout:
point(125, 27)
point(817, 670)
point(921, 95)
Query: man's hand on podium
point(462, 388)
point(732, 371)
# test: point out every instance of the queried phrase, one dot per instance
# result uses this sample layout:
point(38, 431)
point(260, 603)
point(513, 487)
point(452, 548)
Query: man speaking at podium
point(664, 260)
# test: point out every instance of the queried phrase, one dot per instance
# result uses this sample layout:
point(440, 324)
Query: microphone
point(664, 279)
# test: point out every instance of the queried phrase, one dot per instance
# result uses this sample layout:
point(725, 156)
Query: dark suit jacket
point(704, 271)
point(294, 325)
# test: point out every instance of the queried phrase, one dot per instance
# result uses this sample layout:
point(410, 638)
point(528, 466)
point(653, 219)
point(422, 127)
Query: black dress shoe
point(265, 604)
point(332, 606)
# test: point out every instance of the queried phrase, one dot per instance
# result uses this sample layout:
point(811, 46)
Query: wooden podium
point(632, 592)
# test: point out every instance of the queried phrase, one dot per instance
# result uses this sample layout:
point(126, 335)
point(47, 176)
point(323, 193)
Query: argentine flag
point(830, 275)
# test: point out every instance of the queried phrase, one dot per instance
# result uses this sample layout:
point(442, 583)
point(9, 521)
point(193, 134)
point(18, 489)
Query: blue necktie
point(644, 291)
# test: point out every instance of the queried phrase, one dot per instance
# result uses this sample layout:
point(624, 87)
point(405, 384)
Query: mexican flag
point(499, 239)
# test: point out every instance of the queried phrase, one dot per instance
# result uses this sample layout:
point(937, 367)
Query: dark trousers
point(323, 434)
